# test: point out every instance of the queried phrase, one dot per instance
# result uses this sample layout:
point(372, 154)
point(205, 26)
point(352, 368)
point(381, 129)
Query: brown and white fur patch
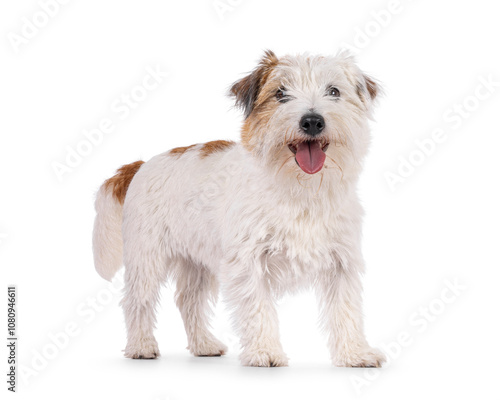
point(269, 215)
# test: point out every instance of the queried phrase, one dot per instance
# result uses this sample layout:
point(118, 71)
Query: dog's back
point(161, 181)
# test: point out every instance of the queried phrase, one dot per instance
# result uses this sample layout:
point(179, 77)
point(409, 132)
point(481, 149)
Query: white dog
point(263, 217)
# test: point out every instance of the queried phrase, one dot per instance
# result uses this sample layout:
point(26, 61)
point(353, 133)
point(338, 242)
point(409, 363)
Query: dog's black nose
point(312, 124)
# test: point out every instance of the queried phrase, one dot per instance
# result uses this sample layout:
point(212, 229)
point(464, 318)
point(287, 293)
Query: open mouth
point(309, 155)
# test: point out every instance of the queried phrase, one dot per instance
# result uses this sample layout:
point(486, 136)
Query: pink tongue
point(310, 157)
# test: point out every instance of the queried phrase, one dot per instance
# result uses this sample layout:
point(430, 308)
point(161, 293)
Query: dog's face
point(306, 114)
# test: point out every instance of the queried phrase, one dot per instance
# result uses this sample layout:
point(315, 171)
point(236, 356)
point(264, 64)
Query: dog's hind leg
point(142, 287)
point(196, 289)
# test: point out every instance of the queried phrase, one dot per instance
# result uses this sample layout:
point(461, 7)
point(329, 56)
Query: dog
point(255, 219)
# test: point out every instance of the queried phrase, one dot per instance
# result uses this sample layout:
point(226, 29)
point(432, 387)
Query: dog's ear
point(246, 90)
point(368, 89)
point(371, 86)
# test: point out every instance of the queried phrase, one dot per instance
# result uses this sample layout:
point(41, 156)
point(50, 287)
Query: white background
point(440, 224)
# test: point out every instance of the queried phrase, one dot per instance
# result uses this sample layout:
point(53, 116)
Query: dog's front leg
point(254, 316)
point(339, 294)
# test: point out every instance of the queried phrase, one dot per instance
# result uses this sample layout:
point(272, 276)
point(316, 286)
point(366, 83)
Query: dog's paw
point(365, 358)
point(145, 348)
point(264, 357)
point(208, 348)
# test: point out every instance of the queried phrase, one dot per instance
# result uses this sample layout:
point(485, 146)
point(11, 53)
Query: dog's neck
point(330, 187)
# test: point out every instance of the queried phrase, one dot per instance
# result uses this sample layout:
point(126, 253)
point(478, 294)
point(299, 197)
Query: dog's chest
point(303, 236)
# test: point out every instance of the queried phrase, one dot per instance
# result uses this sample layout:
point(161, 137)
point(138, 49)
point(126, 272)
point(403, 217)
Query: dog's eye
point(281, 96)
point(333, 91)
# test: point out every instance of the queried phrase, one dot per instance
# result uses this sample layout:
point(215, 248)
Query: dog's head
point(306, 114)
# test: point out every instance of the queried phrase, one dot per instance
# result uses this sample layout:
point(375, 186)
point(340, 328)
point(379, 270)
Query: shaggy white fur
point(247, 219)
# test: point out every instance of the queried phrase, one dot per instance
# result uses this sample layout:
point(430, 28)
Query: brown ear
point(371, 87)
point(246, 90)
point(368, 88)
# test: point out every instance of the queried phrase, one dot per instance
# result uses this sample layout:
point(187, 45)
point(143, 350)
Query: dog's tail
point(107, 239)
